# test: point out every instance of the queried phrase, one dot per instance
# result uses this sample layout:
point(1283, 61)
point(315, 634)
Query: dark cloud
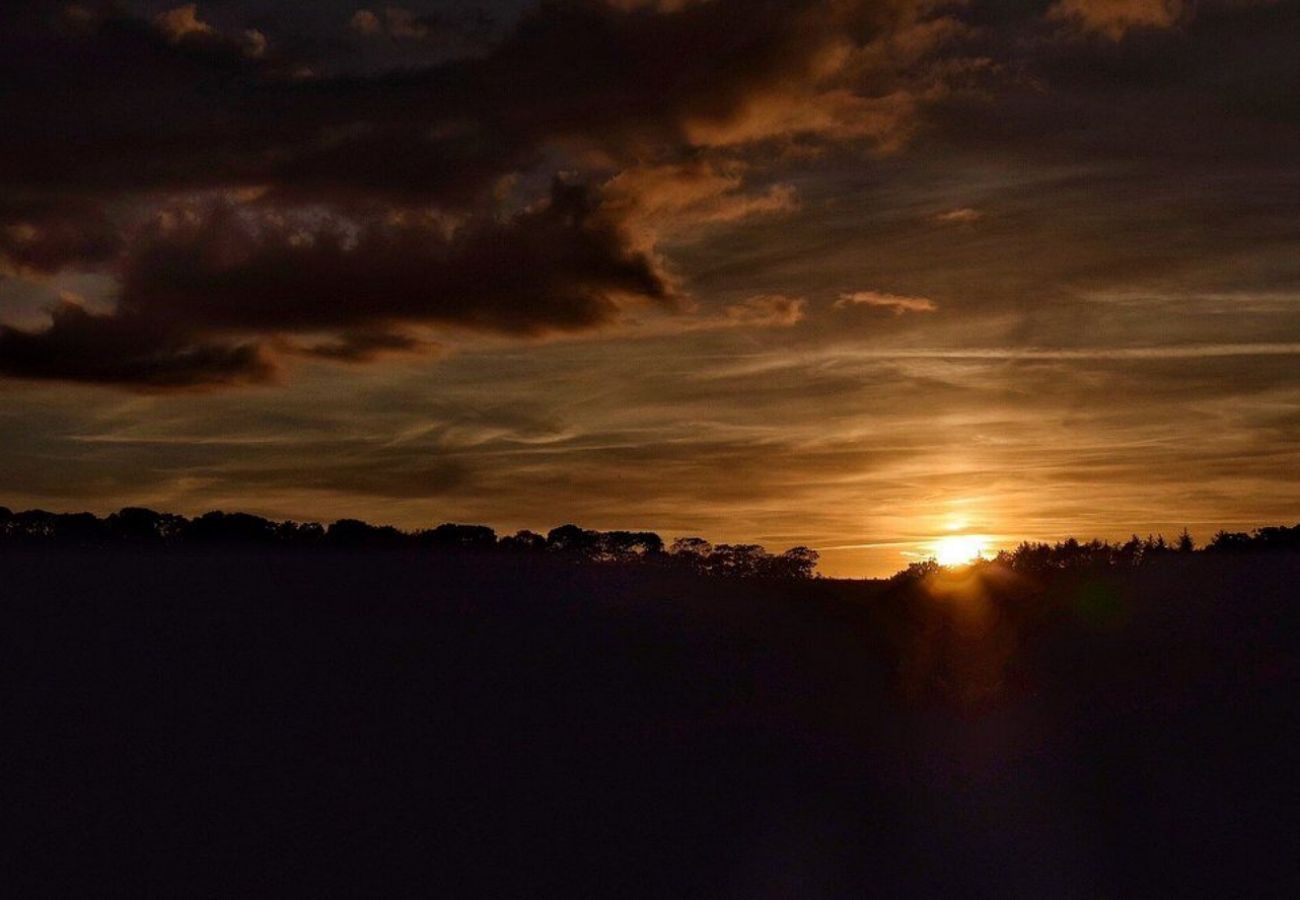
point(46, 234)
point(113, 102)
point(1213, 90)
point(553, 268)
point(197, 278)
point(125, 349)
point(461, 30)
point(358, 203)
point(122, 102)
point(364, 346)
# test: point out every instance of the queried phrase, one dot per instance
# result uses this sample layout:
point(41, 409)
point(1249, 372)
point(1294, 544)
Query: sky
point(852, 274)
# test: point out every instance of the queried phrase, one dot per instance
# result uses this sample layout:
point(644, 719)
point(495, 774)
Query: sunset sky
point(856, 274)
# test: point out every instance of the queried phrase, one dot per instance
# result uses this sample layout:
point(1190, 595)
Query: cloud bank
point(253, 190)
point(250, 191)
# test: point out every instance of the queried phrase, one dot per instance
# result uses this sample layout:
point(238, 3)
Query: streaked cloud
point(894, 303)
point(963, 215)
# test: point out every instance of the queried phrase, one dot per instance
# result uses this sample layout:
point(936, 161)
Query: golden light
point(959, 549)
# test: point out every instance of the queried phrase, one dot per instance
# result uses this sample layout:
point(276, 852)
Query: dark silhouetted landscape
point(226, 706)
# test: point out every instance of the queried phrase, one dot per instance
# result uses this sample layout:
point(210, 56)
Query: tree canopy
point(138, 527)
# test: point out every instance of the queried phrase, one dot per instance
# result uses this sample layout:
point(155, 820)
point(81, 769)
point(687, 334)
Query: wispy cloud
point(1195, 351)
point(895, 303)
point(964, 215)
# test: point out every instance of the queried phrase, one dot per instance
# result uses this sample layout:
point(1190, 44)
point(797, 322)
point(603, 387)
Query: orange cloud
point(649, 200)
point(766, 310)
point(366, 22)
point(397, 23)
point(760, 311)
point(895, 303)
point(1114, 18)
point(964, 215)
point(181, 22)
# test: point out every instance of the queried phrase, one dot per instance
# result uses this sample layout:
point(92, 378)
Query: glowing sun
point(959, 549)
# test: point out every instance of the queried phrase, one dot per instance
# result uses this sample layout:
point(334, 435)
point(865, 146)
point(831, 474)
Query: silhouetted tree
point(35, 524)
point(737, 560)
point(449, 536)
point(923, 569)
point(1130, 552)
point(1071, 554)
point(573, 541)
point(139, 525)
point(1271, 538)
point(355, 534)
point(523, 542)
point(1153, 547)
point(797, 562)
point(78, 529)
point(304, 534)
point(690, 553)
point(1230, 542)
point(1278, 538)
point(628, 546)
point(1032, 557)
point(230, 528)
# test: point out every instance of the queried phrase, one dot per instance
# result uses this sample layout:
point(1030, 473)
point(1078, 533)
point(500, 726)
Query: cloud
point(125, 350)
point(255, 43)
point(366, 22)
point(766, 311)
point(344, 181)
point(364, 346)
point(556, 267)
point(651, 200)
point(196, 280)
point(45, 235)
point(758, 312)
point(471, 28)
point(381, 173)
point(623, 86)
point(181, 22)
point(964, 215)
point(895, 303)
point(337, 240)
point(1115, 18)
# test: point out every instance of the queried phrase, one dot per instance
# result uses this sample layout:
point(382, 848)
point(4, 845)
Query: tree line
point(138, 527)
point(1037, 558)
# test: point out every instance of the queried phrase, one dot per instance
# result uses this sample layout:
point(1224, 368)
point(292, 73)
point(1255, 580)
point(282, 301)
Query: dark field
point(227, 724)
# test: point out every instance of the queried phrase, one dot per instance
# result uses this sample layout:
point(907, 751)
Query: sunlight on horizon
point(959, 549)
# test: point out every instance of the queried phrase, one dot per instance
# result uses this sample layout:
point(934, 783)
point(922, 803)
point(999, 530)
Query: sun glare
point(959, 549)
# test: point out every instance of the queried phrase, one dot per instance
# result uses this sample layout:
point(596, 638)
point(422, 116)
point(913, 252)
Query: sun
point(959, 549)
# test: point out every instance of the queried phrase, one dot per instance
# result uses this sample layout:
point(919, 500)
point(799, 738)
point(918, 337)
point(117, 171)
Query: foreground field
point(230, 723)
